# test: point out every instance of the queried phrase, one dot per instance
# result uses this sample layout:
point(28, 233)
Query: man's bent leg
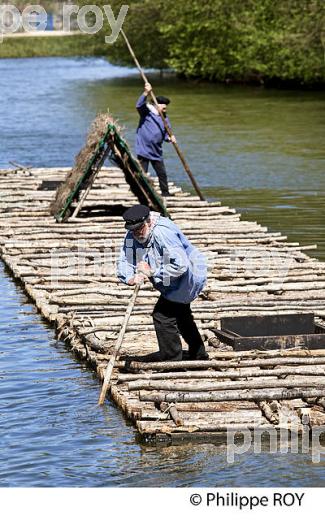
point(169, 342)
point(160, 169)
point(188, 329)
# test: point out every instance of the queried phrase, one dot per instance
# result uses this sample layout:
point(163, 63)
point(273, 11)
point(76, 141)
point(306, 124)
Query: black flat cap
point(162, 100)
point(134, 217)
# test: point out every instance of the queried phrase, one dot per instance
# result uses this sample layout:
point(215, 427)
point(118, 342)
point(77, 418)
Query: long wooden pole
point(110, 366)
point(168, 129)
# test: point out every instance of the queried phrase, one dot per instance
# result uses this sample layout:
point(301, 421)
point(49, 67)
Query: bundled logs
point(69, 272)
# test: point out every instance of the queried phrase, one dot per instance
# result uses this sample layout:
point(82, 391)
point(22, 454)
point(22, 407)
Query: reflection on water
point(259, 151)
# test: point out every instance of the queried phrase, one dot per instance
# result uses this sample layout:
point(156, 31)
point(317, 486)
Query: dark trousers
point(171, 319)
point(160, 169)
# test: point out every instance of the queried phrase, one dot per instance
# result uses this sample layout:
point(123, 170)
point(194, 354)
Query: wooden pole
point(20, 166)
point(83, 198)
point(110, 366)
point(168, 129)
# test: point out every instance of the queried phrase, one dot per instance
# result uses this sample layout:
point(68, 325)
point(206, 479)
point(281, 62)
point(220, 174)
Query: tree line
point(224, 40)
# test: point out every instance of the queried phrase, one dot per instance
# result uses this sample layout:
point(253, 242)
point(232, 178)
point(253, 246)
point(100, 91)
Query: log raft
point(68, 270)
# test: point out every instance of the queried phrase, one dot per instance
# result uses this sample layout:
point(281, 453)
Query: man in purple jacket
point(151, 134)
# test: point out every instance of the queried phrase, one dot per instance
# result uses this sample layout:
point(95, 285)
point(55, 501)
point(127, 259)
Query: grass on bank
point(29, 47)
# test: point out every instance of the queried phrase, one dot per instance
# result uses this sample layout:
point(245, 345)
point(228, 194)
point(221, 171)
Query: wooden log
point(272, 280)
point(173, 412)
point(153, 427)
point(233, 374)
point(220, 418)
point(321, 401)
point(232, 395)
point(259, 382)
point(229, 406)
point(270, 287)
point(316, 417)
point(270, 410)
point(170, 365)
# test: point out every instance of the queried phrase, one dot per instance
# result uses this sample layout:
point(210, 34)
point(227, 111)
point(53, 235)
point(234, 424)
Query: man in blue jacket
point(151, 133)
point(155, 249)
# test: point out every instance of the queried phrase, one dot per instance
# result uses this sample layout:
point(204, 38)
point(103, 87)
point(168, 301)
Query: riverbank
point(83, 45)
point(47, 46)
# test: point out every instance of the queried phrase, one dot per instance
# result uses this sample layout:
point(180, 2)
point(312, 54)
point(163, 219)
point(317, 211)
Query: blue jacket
point(151, 132)
point(179, 269)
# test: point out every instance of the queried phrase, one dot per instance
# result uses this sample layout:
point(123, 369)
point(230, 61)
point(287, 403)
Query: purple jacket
point(151, 132)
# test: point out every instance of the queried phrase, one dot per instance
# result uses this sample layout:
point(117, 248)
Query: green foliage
point(236, 40)
point(142, 27)
point(247, 39)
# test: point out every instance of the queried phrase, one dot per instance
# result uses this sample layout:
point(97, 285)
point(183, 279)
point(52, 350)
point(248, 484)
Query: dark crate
point(271, 332)
point(49, 185)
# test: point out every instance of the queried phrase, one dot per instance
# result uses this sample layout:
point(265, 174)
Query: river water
point(261, 151)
